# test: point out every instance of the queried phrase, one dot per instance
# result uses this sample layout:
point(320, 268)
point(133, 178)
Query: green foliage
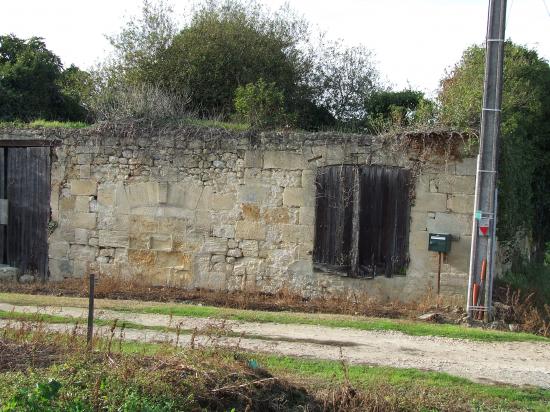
point(44, 397)
point(530, 278)
point(387, 109)
point(524, 177)
point(30, 78)
point(342, 79)
point(230, 44)
point(260, 104)
point(139, 43)
point(227, 44)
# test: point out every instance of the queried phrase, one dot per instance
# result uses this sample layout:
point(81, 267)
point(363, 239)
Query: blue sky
point(414, 41)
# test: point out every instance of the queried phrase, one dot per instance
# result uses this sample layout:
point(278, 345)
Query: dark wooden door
point(25, 180)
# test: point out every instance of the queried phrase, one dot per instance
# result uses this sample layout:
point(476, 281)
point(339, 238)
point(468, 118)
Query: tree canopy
point(225, 45)
point(31, 78)
point(524, 183)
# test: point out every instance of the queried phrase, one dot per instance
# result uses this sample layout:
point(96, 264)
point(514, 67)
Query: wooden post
point(90, 334)
point(439, 274)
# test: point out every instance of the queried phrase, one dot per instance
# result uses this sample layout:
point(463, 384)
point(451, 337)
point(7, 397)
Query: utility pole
point(480, 285)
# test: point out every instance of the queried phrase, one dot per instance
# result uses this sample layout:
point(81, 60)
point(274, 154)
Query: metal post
point(486, 179)
point(90, 334)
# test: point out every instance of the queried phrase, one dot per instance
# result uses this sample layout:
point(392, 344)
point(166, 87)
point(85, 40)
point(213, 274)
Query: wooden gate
point(25, 184)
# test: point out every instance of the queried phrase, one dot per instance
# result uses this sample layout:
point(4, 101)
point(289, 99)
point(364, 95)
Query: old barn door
point(25, 184)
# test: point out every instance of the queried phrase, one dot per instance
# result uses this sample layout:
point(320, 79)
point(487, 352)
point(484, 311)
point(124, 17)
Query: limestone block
point(430, 202)
point(225, 231)
point(276, 215)
point(141, 224)
point(467, 167)
point(83, 187)
point(214, 245)
point(82, 253)
point(121, 255)
point(418, 221)
point(253, 193)
point(82, 204)
point(171, 225)
point(66, 203)
point(173, 259)
point(113, 238)
point(217, 258)
point(140, 195)
point(163, 192)
point(284, 160)
point(301, 268)
point(249, 248)
point(60, 269)
point(236, 253)
point(293, 196)
point(459, 256)
point(461, 203)
point(308, 178)
point(84, 220)
point(185, 195)
point(160, 242)
point(222, 201)
point(307, 215)
point(297, 233)
point(453, 184)
point(106, 195)
point(250, 211)
point(142, 258)
point(253, 158)
point(453, 223)
point(85, 171)
point(58, 249)
point(81, 236)
point(84, 159)
point(250, 230)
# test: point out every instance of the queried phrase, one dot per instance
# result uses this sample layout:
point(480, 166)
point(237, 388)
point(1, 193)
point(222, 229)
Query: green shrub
point(261, 104)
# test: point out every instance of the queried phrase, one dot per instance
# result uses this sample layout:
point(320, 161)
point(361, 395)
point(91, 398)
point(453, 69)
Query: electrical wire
point(546, 7)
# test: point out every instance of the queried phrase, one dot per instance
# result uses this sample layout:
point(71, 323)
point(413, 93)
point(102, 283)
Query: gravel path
point(518, 363)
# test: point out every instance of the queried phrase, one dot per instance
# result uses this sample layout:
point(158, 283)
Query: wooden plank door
point(3, 186)
point(28, 194)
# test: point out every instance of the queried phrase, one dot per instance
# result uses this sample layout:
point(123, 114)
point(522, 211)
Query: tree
point(524, 184)
point(385, 108)
point(260, 104)
point(30, 77)
point(343, 78)
point(230, 44)
point(140, 43)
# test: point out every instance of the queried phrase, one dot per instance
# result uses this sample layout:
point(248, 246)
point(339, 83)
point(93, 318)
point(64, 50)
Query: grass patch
point(412, 380)
point(67, 320)
point(236, 127)
point(157, 377)
point(45, 123)
point(334, 321)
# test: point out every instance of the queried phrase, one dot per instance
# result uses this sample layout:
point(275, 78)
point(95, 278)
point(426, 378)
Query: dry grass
point(521, 308)
point(283, 300)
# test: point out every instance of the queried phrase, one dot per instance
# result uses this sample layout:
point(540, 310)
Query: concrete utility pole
point(485, 210)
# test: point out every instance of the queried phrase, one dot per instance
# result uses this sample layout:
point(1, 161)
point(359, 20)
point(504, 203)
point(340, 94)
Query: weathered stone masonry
point(212, 209)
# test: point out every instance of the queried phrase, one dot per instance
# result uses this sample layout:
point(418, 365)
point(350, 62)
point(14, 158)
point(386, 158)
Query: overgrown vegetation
point(524, 169)
point(48, 371)
point(34, 85)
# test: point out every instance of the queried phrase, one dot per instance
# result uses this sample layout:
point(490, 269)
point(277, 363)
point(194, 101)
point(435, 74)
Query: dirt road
point(518, 363)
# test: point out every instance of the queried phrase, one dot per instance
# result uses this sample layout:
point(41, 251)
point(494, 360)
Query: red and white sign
point(484, 226)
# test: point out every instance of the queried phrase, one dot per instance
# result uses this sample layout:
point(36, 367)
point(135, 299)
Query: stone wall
point(212, 209)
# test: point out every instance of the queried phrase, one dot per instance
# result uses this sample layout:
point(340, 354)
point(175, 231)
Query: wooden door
point(25, 183)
